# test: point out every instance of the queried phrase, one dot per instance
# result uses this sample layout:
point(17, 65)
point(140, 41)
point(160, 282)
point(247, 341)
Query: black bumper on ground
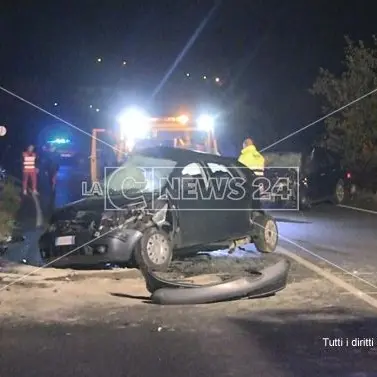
point(252, 284)
point(115, 247)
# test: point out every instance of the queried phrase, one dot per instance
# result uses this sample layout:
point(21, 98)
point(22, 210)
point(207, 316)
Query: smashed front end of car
point(92, 236)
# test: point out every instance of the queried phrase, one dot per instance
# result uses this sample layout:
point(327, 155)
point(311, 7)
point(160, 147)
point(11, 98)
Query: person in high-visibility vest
point(30, 170)
point(184, 142)
point(251, 158)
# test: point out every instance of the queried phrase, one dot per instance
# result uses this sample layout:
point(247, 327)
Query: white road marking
point(358, 209)
point(348, 293)
point(328, 262)
point(356, 273)
point(330, 277)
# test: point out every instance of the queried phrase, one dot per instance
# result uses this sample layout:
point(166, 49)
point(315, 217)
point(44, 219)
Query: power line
point(187, 47)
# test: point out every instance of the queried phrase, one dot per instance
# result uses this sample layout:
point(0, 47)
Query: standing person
point(251, 158)
point(52, 167)
point(184, 142)
point(30, 170)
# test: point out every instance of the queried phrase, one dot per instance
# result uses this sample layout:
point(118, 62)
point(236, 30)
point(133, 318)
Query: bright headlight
point(206, 122)
point(134, 124)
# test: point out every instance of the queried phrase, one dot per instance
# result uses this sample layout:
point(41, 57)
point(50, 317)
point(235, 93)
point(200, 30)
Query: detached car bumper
point(252, 284)
point(83, 248)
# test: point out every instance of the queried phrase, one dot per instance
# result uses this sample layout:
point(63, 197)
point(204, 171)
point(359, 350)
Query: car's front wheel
point(154, 251)
point(265, 233)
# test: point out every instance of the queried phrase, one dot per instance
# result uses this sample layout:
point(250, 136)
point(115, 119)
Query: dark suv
point(314, 177)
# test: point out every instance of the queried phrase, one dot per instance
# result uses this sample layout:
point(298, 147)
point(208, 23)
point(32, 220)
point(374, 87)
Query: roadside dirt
point(54, 293)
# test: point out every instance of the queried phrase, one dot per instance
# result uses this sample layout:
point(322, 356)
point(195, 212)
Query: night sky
point(266, 54)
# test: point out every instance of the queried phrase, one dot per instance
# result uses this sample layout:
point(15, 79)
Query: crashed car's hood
point(97, 205)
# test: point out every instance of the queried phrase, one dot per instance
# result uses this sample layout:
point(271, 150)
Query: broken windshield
point(139, 174)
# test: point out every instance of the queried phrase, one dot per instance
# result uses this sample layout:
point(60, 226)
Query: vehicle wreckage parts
point(268, 281)
point(265, 233)
point(238, 243)
point(140, 238)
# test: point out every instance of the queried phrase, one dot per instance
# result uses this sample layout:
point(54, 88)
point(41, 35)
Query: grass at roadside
point(10, 202)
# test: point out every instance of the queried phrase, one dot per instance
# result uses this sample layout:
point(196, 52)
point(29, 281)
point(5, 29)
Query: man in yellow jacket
point(184, 142)
point(251, 158)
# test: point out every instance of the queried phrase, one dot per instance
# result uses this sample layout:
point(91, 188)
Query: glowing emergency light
point(134, 124)
point(60, 141)
point(206, 123)
point(183, 119)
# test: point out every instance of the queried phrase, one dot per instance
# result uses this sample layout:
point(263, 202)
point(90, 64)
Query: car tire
point(305, 204)
point(340, 192)
point(265, 234)
point(154, 251)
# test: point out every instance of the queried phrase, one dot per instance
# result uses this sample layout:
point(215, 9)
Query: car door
point(195, 222)
point(229, 204)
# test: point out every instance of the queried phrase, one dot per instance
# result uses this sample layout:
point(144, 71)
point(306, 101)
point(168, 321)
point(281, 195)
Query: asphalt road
point(342, 238)
point(170, 342)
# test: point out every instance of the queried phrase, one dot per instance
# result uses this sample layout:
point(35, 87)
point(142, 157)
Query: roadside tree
point(353, 132)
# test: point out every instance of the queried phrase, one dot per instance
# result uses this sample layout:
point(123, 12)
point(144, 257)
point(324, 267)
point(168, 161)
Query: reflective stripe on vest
point(29, 162)
point(258, 172)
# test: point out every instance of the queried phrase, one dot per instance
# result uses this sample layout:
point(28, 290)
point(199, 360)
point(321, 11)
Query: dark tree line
point(353, 132)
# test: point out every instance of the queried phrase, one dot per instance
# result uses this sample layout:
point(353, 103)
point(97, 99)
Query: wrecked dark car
point(160, 204)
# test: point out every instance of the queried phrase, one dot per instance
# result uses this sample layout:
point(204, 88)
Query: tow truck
point(134, 128)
